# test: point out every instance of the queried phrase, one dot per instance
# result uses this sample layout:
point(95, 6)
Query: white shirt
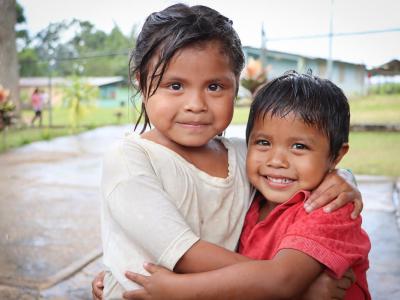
point(156, 205)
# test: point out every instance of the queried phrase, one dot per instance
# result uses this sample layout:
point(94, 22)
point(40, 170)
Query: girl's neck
point(211, 158)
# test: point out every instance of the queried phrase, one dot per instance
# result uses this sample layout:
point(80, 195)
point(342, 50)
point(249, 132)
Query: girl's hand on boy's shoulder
point(336, 190)
point(159, 285)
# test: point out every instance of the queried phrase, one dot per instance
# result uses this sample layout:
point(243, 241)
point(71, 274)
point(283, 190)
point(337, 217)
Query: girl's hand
point(336, 190)
point(98, 286)
point(156, 286)
point(327, 288)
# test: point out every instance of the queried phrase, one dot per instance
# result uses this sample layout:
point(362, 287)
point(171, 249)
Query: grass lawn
point(373, 153)
point(382, 109)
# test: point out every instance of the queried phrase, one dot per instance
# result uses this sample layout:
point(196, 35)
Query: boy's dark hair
point(318, 102)
point(174, 28)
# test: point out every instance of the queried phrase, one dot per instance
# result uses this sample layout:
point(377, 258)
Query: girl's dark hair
point(318, 102)
point(174, 28)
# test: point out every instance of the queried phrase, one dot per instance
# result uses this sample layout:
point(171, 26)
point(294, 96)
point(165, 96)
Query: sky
point(280, 18)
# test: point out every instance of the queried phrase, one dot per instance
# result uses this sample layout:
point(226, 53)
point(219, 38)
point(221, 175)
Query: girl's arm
point(286, 276)
point(336, 190)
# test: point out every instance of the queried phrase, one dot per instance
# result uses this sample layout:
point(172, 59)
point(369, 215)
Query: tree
point(9, 77)
point(79, 98)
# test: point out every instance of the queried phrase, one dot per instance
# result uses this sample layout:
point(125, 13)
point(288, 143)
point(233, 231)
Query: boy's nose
point(196, 102)
point(277, 159)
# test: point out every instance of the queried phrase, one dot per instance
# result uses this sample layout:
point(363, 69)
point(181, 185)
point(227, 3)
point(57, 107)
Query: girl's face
point(194, 101)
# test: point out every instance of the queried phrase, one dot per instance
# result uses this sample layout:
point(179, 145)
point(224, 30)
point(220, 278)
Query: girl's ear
point(342, 152)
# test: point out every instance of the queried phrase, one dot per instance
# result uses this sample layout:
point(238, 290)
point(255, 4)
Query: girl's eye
point(176, 86)
point(299, 146)
point(263, 143)
point(214, 87)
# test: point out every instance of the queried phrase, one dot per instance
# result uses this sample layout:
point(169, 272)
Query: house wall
point(350, 77)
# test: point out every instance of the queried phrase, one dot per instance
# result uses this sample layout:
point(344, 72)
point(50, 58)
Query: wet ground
point(49, 219)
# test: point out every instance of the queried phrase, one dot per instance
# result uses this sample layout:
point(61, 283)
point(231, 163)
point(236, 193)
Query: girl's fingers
point(138, 278)
point(320, 198)
point(358, 206)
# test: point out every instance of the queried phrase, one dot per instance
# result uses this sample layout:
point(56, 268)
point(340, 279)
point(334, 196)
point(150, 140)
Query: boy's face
point(285, 155)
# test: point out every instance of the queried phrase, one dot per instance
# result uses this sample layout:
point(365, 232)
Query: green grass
point(382, 109)
point(373, 153)
point(13, 138)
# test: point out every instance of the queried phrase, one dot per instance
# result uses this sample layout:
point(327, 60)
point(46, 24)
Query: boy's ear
point(342, 152)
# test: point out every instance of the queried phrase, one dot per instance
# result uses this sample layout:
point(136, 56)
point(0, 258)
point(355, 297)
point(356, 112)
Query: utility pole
point(263, 48)
point(329, 69)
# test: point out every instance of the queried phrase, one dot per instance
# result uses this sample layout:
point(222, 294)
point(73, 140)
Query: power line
point(318, 36)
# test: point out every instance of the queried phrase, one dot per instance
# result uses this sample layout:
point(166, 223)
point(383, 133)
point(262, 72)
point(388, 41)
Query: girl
point(177, 194)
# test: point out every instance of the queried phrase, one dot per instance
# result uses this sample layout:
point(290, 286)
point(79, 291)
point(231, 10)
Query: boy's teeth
point(279, 180)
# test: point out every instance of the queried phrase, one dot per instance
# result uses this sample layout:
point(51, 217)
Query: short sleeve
point(143, 211)
point(334, 239)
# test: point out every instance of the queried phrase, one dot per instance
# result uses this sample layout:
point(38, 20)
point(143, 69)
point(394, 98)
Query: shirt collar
point(299, 196)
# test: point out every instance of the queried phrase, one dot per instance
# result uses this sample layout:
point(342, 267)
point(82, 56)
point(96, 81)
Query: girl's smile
point(194, 101)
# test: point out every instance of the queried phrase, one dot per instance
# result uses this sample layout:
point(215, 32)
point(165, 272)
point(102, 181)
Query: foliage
point(254, 75)
point(89, 52)
point(388, 88)
point(79, 98)
point(7, 108)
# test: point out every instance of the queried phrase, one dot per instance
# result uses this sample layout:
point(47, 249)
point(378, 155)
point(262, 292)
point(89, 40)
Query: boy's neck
point(266, 207)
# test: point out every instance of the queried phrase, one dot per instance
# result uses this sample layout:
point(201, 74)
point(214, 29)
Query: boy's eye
point(299, 146)
point(176, 86)
point(214, 87)
point(263, 142)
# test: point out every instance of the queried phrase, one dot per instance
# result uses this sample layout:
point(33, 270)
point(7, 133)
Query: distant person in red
point(37, 105)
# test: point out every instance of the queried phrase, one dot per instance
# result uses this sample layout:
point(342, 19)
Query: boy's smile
point(286, 155)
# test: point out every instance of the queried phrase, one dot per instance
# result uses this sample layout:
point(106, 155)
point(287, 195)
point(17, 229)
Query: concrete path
point(49, 219)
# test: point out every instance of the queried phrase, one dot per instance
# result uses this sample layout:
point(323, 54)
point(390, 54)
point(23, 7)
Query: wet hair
point(172, 29)
point(316, 101)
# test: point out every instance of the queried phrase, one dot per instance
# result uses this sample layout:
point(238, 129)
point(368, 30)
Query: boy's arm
point(286, 276)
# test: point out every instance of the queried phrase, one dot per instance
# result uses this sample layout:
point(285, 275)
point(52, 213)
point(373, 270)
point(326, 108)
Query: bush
point(388, 88)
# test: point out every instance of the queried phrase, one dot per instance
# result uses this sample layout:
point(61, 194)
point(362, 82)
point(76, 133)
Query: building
point(109, 88)
point(350, 77)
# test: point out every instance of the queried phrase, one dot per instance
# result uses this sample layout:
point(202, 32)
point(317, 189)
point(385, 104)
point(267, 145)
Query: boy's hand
point(156, 286)
point(336, 190)
point(98, 286)
point(326, 288)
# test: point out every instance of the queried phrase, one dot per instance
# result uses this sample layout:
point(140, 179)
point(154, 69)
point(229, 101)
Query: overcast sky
point(281, 18)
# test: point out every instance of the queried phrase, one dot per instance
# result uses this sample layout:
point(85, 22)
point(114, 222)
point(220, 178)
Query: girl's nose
point(196, 102)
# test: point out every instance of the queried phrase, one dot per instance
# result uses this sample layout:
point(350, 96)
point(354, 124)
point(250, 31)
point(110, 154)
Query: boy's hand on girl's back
point(98, 286)
point(160, 285)
point(336, 190)
point(326, 287)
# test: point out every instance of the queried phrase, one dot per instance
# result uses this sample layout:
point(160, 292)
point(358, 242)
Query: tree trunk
point(9, 75)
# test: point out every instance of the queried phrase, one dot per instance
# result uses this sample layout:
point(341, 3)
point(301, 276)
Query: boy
point(297, 132)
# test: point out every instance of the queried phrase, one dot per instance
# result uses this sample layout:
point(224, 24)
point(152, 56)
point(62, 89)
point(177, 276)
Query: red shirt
point(333, 239)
